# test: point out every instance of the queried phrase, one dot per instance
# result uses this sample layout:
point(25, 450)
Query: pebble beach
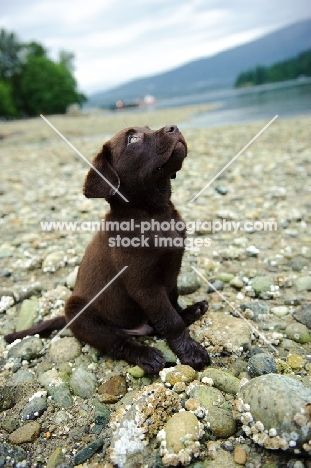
point(64, 404)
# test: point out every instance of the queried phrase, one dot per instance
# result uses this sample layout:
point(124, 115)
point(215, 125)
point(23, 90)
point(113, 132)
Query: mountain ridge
point(215, 72)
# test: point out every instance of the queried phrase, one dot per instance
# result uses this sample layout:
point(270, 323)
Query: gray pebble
point(29, 348)
point(303, 314)
point(25, 293)
point(65, 349)
point(297, 263)
point(254, 351)
point(22, 376)
point(6, 397)
point(219, 285)
point(259, 309)
point(28, 314)
point(188, 283)
point(12, 451)
point(5, 273)
point(252, 251)
point(303, 283)
point(60, 393)
point(102, 416)
point(9, 424)
point(34, 408)
point(280, 311)
point(221, 189)
point(236, 283)
point(17, 364)
point(260, 364)
point(88, 451)
point(290, 345)
point(279, 403)
point(83, 383)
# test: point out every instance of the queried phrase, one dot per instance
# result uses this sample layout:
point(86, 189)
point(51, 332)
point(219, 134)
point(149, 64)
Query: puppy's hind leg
point(91, 328)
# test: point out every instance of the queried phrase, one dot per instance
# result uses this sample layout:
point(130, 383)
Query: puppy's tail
point(43, 329)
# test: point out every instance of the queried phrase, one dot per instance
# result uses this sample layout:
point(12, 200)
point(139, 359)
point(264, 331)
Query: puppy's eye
point(133, 139)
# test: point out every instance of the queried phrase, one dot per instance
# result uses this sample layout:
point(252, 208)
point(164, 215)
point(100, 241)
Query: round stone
point(65, 349)
point(303, 283)
point(178, 427)
point(188, 283)
point(222, 380)
point(298, 332)
point(261, 364)
point(276, 402)
point(261, 284)
point(222, 423)
point(280, 311)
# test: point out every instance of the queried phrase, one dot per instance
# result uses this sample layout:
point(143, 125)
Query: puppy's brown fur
point(139, 163)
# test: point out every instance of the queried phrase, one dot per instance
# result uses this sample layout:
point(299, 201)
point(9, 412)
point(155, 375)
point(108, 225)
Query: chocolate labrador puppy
point(139, 164)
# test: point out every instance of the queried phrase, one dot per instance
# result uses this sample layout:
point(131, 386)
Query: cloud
point(114, 41)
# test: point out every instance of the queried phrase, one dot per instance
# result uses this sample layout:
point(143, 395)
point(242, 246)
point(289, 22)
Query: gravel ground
point(67, 405)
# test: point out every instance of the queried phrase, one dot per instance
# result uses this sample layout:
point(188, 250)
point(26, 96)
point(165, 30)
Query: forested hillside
point(281, 71)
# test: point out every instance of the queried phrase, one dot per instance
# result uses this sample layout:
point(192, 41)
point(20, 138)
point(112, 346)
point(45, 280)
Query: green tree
point(34, 49)
point(46, 87)
point(66, 58)
point(7, 108)
point(31, 83)
point(280, 71)
point(10, 59)
point(305, 63)
point(260, 75)
point(245, 79)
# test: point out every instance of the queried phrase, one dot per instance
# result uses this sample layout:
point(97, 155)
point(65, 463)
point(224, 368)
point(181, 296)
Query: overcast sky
point(115, 40)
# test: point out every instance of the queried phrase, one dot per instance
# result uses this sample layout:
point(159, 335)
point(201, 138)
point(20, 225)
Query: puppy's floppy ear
point(96, 186)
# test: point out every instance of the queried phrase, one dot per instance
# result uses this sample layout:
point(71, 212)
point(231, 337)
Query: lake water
point(286, 99)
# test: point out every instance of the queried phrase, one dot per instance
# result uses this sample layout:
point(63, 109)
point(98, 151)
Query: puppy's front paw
point(194, 312)
point(190, 352)
point(150, 359)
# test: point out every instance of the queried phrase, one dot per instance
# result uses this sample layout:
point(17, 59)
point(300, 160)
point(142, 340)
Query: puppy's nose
point(171, 129)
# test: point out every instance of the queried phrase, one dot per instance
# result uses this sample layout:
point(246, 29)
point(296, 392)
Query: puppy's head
point(136, 160)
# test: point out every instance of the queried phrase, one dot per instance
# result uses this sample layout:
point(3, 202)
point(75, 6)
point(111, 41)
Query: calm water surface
point(287, 99)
